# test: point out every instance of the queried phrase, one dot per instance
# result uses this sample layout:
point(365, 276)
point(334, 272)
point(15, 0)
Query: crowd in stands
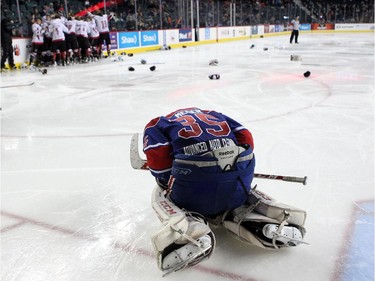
point(336, 11)
point(130, 15)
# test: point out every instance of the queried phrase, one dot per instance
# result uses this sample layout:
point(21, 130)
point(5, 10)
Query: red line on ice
point(116, 245)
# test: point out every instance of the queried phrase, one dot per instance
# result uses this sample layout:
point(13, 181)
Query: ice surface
point(72, 208)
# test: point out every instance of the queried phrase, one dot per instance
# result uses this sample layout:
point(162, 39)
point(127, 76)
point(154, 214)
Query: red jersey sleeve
point(245, 137)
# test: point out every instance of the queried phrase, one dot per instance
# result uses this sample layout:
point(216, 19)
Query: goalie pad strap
point(262, 209)
point(246, 235)
point(278, 211)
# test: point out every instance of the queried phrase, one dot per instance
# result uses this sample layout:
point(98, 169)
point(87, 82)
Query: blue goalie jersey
point(175, 143)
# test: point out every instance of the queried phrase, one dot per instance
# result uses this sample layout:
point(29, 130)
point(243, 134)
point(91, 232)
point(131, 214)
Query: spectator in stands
point(48, 9)
point(30, 4)
point(141, 21)
point(130, 21)
point(35, 14)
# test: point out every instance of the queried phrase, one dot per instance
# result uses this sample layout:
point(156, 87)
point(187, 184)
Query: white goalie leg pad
point(266, 223)
point(185, 238)
point(270, 208)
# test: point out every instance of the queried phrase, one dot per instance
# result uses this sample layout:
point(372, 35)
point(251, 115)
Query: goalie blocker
point(186, 239)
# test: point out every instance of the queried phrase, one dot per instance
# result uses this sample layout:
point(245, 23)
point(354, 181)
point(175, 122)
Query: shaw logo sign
point(149, 38)
point(128, 39)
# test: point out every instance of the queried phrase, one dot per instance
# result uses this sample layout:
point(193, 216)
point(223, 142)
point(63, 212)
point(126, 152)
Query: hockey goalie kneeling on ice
point(203, 163)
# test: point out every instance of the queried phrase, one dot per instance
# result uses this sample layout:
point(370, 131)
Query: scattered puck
point(307, 74)
point(131, 68)
point(213, 62)
point(130, 54)
point(183, 46)
point(214, 76)
point(261, 36)
point(143, 61)
point(295, 58)
point(122, 53)
point(152, 68)
point(44, 71)
point(265, 49)
point(252, 46)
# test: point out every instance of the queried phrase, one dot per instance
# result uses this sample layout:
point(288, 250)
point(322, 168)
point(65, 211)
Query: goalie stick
point(141, 164)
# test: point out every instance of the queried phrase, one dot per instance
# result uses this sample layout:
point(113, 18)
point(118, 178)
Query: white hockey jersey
point(58, 30)
point(101, 23)
point(82, 28)
point(47, 27)
point(71, 26)
point(38, 31)
point(93, 29)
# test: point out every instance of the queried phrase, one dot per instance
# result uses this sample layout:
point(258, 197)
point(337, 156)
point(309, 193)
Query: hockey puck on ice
point(183, 46)
point(130, 54)
point(214, 76)
point(123, 54)
point(131, 68)
point(307, 74)
point(152, 68)
point(261, 36)
point(213, 62)
point(143, 61)
point(265, 49)
point(252, 46)
point(295, 58)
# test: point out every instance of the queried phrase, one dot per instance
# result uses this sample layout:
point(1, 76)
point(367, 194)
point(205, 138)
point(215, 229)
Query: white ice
point(73, 209)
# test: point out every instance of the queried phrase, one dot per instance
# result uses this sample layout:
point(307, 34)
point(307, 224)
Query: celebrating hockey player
point(58, 39)
point(203, 162)
point(71, 40)
point(102, 23)
point(94, 37)
point(37, 42)
point(82, 28)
